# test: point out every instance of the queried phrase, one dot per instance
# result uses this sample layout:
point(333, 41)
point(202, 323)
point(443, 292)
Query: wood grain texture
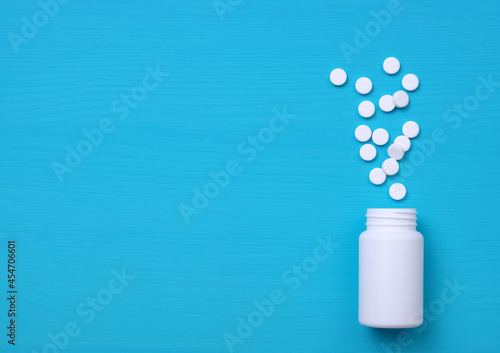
point(119, 207)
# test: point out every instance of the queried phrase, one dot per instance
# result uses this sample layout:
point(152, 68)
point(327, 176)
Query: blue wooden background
point(106, 261)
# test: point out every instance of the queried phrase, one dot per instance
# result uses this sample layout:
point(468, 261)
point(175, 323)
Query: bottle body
point(391, 264)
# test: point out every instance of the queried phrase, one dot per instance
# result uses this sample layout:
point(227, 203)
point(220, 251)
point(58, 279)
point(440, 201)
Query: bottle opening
point(391, 217)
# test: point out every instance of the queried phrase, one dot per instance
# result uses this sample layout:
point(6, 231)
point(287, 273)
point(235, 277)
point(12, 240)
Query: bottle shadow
point(393, 340)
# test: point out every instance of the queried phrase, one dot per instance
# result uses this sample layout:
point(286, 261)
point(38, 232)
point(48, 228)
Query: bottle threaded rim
point(391, 217)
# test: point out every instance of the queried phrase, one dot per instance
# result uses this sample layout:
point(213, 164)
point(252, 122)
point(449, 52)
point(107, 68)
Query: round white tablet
point(396, 151)
point(364, 85)
point(367, 152)
point(401, 99)
point(391, 65)
point(403, 141)
point(363, 133)
point(390, 166)
point(338, 77)
point(411, 129)
point(366, 109)
point(377, 176)
point(410, 82)
point(397, 191)
point(380, 137)
point(386, 103)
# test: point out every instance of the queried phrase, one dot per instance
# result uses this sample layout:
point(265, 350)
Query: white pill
point(410, 82)
point(338, 77)
point(390, 166)
point(386, 103)
point(377, 176)
point(403, 141)
point(367, 152)
point(401, 99)
point(397, 191)
point(363, 133)
point(364, 85)
point(366, 109)
point(391, 65)
point(396, 151)
point(380, 137)
point(411, 129)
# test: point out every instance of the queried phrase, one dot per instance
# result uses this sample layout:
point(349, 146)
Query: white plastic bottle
point(391, 269)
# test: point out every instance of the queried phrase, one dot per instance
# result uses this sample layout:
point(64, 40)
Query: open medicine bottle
point(391, 269)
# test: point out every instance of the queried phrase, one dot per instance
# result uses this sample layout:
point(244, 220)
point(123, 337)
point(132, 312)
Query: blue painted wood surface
point(236, 71)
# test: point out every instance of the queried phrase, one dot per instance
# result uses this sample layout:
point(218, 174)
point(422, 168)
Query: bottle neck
point(391, 219)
